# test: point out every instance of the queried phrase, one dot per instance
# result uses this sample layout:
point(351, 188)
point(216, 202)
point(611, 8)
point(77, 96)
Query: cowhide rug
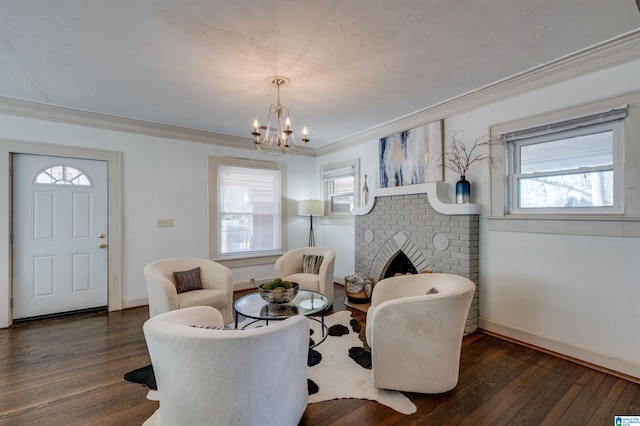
point(338, 375)
point(339, 367)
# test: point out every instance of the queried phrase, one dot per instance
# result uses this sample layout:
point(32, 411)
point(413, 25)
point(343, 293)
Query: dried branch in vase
point(458, 157)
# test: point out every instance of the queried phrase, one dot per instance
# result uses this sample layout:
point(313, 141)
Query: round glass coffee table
point(306, 303)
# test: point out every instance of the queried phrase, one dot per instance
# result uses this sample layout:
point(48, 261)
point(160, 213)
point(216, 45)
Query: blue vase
point(463, 191)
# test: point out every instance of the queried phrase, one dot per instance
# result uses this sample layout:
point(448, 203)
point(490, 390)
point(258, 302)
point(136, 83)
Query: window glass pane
point(341, 203)
point(593, 189)
point(62, 175)
point(591, 150)
point(341, 194)
point(249, 209)
point(343, 185)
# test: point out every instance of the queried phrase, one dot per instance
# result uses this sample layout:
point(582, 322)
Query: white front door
point(60, 260)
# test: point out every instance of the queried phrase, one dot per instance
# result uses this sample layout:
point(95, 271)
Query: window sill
point(238, 262)
point(337, 216)
point(602, 226)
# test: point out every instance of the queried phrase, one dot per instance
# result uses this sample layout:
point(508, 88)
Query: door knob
point(101, 235)
point(102, 245)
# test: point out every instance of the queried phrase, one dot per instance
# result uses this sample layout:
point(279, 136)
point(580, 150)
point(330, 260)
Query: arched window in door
point(62, 175)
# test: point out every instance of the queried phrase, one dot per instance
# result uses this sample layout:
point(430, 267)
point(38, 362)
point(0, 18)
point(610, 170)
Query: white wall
point(165, 178)
point(577, 295)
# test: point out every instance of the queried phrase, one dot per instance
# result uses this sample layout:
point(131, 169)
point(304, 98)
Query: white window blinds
point(588, 120)
point(342, 172)
point(248, 209)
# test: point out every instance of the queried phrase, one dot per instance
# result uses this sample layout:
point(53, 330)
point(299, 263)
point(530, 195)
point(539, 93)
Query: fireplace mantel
point(437, 193)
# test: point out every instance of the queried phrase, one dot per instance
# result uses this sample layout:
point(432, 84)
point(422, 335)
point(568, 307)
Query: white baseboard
point(606, 361)
point(249, 285)
point(243, 286)
point(134, 303)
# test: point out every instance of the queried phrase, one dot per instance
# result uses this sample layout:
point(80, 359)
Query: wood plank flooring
point(68, 371)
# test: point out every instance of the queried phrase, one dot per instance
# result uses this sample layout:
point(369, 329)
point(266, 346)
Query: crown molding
point(614, 52)
point(605, 55)
point(29, 109)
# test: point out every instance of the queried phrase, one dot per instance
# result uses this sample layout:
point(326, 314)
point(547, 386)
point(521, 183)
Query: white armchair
point(289, 267)
point(228, 377)
point(416, 334)
point(216, 280)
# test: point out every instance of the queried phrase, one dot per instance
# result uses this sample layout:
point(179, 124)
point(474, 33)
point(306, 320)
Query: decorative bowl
point(278, 295)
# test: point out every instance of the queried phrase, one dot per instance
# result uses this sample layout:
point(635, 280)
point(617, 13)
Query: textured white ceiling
point(353, 64)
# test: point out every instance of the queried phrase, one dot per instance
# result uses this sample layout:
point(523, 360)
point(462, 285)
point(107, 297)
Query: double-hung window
point(573, 167)
point(340, 188)
point(248, 208)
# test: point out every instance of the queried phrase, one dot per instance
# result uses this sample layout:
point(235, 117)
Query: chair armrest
point(288, 264)
point(198, 316)
point(325, 276)
point(216, 277)
point(413, 285)
point(387, 289)
point(161, 292)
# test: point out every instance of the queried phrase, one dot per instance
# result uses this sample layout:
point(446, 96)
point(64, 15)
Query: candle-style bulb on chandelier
point(278, 139)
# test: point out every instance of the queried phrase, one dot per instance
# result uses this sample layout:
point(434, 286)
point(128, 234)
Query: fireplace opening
point(400, 264)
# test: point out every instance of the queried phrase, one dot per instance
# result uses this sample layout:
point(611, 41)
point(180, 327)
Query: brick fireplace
point(433, 235)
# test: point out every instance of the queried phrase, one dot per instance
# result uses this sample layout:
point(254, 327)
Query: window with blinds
point(339, 183)
point(248, 210)
point(573, 166)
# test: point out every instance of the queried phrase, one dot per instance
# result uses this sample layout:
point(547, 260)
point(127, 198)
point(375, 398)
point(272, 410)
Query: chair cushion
point(311, 263)
point(204, 297)
point(188, 280)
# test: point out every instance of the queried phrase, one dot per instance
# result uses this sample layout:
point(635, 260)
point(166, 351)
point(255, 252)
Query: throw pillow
point(311, 264)
point(432, 290)
point(188, 280)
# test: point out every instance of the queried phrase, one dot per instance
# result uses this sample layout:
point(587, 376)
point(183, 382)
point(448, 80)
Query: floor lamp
point(311, 208)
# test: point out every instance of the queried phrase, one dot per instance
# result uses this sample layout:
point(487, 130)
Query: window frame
point(243, 258)
point(332, 171)
point(513, 150)
point(625, 224)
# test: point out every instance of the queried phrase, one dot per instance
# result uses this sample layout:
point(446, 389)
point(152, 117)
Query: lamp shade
point(310, 207)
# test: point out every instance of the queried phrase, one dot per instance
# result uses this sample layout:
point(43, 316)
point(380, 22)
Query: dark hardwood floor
point(68, 371)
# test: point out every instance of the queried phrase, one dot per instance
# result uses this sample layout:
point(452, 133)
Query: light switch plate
point(165, 223)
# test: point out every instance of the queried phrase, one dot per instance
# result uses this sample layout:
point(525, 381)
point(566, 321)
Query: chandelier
point(278, 139)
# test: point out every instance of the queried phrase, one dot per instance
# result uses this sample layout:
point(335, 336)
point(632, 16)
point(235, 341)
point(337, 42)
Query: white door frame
point(114, 161)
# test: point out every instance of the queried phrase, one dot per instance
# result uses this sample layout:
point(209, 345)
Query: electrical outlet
point(165, 223)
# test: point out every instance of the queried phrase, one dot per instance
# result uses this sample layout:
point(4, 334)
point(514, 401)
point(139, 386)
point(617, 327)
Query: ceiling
point(352, 64)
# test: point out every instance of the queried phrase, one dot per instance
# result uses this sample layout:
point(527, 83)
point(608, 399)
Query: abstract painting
point(411, 156)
